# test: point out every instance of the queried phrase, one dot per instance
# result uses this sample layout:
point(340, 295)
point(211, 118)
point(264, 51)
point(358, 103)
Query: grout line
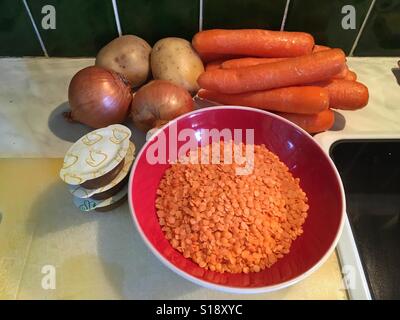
point(362, 28)
point(35, 28)
point(116, 16)
point(201, 16)
point(285, 13)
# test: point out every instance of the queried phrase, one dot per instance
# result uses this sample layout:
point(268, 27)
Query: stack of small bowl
point(96, 168)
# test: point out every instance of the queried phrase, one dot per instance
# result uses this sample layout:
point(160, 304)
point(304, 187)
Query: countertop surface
point(102, 255)
point(34, 93)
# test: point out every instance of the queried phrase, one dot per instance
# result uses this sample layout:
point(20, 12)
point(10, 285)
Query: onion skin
point(158, 102)
point(98, 97)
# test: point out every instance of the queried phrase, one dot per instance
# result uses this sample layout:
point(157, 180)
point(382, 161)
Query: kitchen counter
point(101, 255)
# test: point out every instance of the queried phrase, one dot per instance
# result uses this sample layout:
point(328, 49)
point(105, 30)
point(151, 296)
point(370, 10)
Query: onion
point(158, 102)
point(98, 97)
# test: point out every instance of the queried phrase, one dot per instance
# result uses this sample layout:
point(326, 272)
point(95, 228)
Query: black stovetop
point(370, 171)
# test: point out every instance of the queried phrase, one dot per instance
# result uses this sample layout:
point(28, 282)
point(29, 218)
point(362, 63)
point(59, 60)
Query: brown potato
point(128, 55)
point(174, 59)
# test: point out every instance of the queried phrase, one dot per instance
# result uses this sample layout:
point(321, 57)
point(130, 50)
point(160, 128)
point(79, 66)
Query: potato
point(128, 55)
point(174, 59)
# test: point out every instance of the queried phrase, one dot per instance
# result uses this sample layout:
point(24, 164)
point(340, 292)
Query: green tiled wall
point(235, 14)
point(84, 26)
point(153, 20)
point(17, 36)
point(382, 31)
point(323, 19)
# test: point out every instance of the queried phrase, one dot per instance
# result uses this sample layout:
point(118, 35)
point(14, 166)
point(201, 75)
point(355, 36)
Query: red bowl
point(305, 159)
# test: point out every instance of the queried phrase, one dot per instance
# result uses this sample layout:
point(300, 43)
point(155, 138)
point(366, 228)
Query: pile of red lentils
point(227, 222)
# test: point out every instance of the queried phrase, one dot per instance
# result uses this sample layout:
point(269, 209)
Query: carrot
point(351, 75)
point(246, 62)
point(312, 123)
point(346, 94)
point(291, 72)
point(216, 64)
point(342, 74)
point(253, 42)
point(211, 56)
point(305, 100)
point(319, 48)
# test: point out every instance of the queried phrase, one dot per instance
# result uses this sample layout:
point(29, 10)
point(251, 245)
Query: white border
point(348, 255)
point(224, 288)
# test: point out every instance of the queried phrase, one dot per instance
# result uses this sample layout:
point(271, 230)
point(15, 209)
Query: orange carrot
point(246, 62)
point(319, 48)
point(312, 123)
point(290, 72)
point(342, 74)
point(208, 57)
point(351, 75)
point(253, 42)
point(305, 100)
point(346, 94)
point(216, 64)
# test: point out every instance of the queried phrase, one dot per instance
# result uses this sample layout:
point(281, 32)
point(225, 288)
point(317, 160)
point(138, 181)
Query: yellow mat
point(51, 250)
